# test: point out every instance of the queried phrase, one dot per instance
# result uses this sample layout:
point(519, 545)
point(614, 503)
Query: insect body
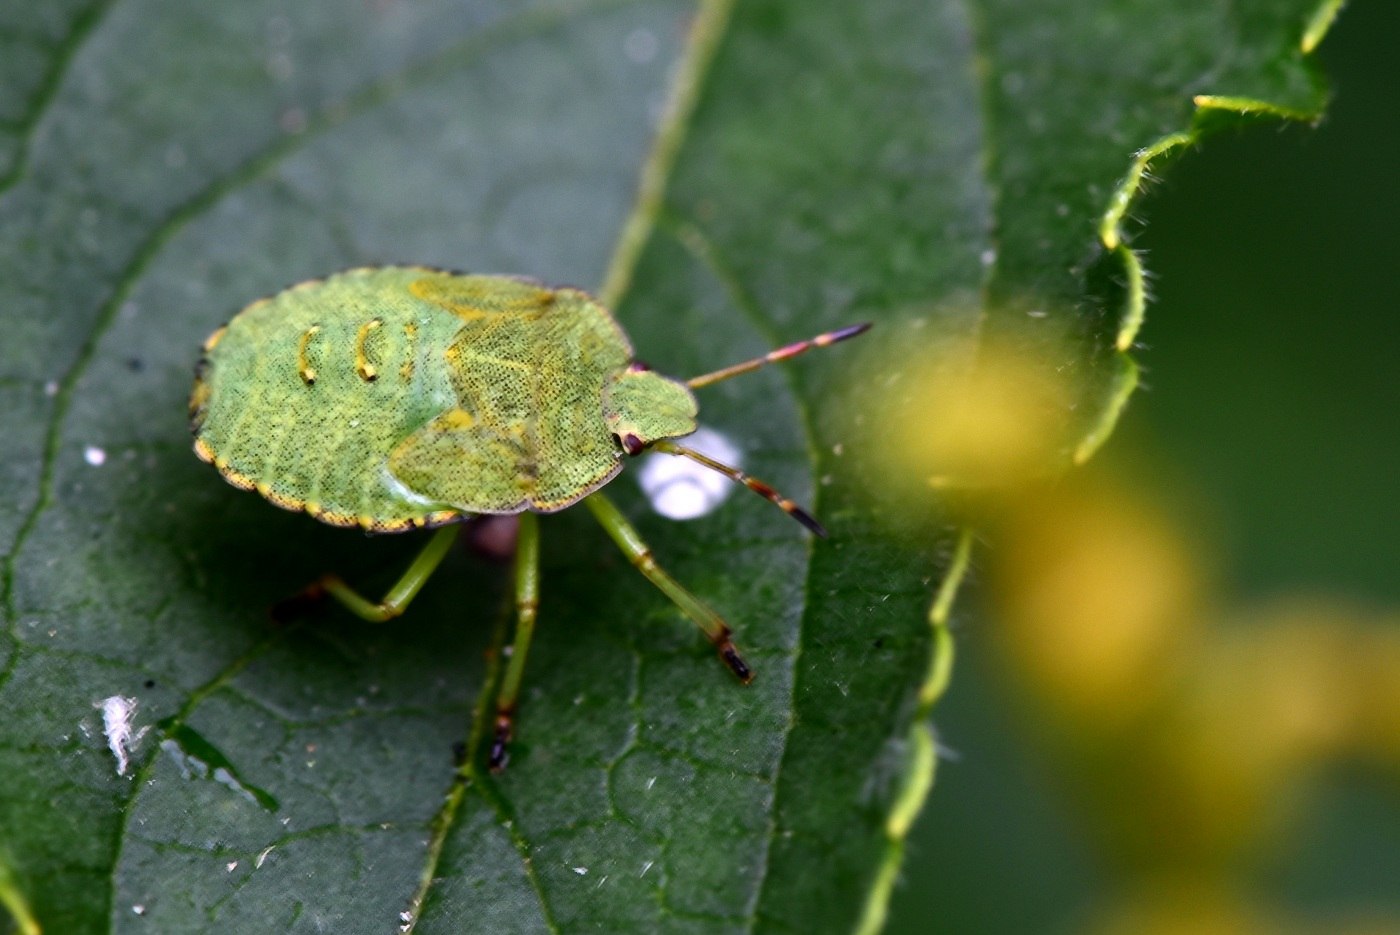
point(397, 398)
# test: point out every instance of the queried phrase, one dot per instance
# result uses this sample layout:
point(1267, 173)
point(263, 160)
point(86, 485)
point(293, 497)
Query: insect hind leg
point(637, 551)
point(396, 599)
point(527, 600)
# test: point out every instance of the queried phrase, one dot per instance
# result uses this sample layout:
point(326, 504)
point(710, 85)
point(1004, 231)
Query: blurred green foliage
point(1263, 448)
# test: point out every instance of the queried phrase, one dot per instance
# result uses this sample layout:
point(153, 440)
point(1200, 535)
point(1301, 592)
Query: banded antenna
point(786, 352)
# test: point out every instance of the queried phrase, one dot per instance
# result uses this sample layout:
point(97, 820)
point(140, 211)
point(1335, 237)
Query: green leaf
point(173, 762)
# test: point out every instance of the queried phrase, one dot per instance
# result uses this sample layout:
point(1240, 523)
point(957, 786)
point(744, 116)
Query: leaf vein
point(522, 847)
point(84, 24)
point(694, 240)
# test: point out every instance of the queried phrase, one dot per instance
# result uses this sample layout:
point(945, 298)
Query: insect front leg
point(396, 599)
point(527, 602)
point(637, 551)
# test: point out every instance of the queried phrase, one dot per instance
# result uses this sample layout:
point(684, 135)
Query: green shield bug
point(398, 398)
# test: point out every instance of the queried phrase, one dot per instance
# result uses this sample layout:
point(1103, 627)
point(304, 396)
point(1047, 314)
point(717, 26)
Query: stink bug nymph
point(399, 398)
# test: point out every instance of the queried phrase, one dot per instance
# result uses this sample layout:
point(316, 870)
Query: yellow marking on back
point(308, 373)
point(239, 480)
point(454, 355)
point(285, 502)
point(363, 367)
point(551, 506)
point(472, 300)
point(199, 402)
point(457, 419)
point(203, 451)
point(429, 291)
point(217, 336)
point(410, 335)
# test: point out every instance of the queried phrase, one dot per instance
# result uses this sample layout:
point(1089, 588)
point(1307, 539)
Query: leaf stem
point(705, 34)
point(15, 903)
point(922, 757)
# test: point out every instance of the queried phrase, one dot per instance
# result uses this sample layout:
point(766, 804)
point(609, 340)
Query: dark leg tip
point(500, 743)
point(850, 331)
point(808, 520)
point(730, 654)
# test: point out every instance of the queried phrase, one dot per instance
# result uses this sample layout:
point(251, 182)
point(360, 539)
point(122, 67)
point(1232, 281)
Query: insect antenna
point(783, 353)
point(734, 474)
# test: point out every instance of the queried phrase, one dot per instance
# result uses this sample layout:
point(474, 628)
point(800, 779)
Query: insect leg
point(783, 353)
point(527, 602)
point(739, 477)
point(637, 551)
point(395, 600)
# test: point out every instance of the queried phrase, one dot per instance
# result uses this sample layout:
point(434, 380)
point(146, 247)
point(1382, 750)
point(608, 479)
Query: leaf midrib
point(706, 34)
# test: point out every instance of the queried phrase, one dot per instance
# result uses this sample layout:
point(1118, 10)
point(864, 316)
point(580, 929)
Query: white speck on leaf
point(187, 765)
point(581, 871)
point(138, 909)
point(226, 779)
point(94, 456)
point(262, 856)
point(231, 866)
point(117, 714)
point(678, 488)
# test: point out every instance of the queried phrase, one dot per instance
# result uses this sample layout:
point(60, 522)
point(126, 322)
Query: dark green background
point(1270, 398)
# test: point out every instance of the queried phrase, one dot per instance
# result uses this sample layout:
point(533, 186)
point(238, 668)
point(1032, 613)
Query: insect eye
point(638, 366)
point(630, 443)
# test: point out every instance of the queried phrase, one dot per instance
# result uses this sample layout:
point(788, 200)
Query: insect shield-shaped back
point(641, 407)
point(401, 397)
